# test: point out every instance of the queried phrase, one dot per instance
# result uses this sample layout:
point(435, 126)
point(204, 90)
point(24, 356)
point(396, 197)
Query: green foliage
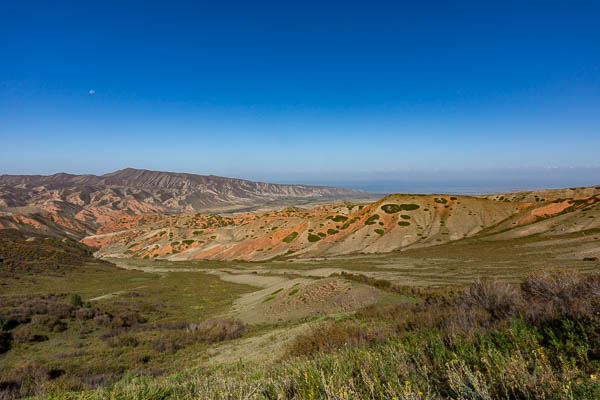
point(76, 300)
point(313, 238)
point(188, 241)
point(197, 232)
point(403, 223)
point(380, 232)
point(391, 208)
point(404, 216)
point(440, 200)
point(290, 238)
point(293, 292)
point(371, 220)
point(322, 234)
point(537, 340)
point(409, 207)
point(332, 231)
point(21, 256)
point(347, 224)
point(269, 298)
point(337, 218)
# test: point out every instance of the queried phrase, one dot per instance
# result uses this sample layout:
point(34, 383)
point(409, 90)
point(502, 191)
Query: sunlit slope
point(392, 223)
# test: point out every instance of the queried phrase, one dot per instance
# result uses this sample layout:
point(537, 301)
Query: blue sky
point(311, 91)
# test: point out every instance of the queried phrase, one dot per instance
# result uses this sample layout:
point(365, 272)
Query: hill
point(76, 205)
point(395, 222)
point(21, 256)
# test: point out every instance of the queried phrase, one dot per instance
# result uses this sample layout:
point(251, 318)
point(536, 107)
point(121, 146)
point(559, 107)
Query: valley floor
point(277, 301)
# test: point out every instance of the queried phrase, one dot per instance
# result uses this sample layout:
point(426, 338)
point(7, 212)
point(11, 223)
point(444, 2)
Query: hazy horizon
point(451, 181)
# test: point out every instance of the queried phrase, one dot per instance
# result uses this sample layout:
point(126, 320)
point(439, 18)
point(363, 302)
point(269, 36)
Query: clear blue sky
point(298, 90)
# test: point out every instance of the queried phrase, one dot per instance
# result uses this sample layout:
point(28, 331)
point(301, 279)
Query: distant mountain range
point(75, 205)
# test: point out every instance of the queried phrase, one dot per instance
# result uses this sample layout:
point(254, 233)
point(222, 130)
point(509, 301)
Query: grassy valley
point(507, 311)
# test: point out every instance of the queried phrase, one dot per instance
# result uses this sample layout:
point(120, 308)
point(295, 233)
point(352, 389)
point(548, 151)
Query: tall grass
point(537, 340)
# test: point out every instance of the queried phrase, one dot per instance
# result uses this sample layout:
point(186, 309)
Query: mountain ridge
point(76, 205)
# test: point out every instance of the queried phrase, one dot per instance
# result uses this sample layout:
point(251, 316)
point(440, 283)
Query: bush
point(391, 208)
point(76, 301)
point(28, 378)
point(5, 342)
point(409, 207)
point(501, 300)
point(219, 329)
point(123, 341)
point(313, 238)
point(329, 336)
point(290, 238)
point(27, 334)
point(371, 220)
point(337, 218)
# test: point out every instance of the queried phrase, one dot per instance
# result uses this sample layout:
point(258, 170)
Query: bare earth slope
point(77, 205)
point(395, 222)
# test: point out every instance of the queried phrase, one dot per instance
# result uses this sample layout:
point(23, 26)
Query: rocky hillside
point(76, 205)
point(393, 223)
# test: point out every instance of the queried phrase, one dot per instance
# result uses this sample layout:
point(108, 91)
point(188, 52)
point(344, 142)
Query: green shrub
point(76, 300)
point(409, 207)
point(337, 218)
point(380, 232)
point(404, 216)
point(371, 220)
point(290, 238)
point(293, 292)
point(197, 232)
point(332, 231)
point(391, 208)
point(188, 241)
point(268, 298)
point(313, 238)
point(347, 223)
point(403, 223)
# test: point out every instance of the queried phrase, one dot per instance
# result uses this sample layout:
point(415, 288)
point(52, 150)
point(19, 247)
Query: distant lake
point(428, 188)
point(459, 181)
point(463, 188)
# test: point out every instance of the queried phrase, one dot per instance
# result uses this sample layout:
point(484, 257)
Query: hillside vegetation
point(396, 222)
point(538, 339)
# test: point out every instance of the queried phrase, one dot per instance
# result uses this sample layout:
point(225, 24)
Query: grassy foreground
point(536, 340)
